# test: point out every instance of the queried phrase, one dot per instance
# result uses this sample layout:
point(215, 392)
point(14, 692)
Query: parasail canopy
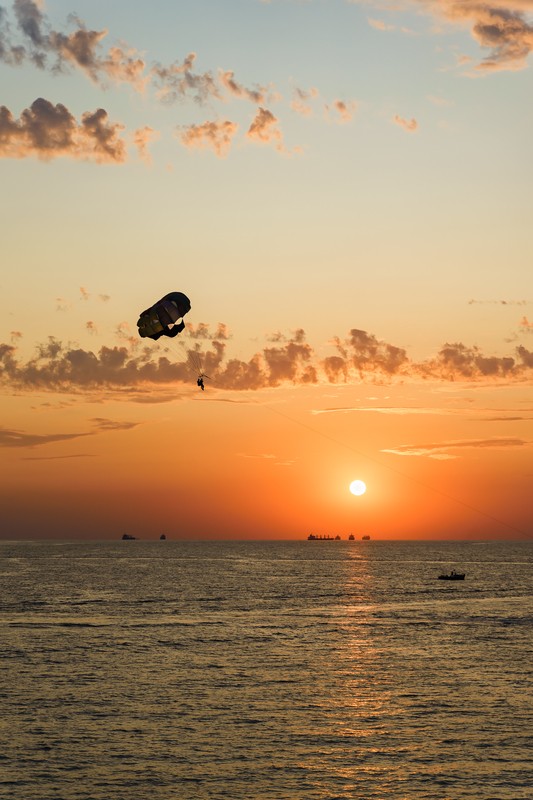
point(164, 318)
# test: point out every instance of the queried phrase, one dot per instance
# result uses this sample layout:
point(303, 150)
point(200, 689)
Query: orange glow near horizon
point(204, 469)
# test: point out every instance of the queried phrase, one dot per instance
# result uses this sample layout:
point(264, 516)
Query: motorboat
point(453, 576)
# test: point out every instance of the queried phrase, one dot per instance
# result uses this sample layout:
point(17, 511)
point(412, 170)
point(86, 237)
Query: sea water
point(265, 671)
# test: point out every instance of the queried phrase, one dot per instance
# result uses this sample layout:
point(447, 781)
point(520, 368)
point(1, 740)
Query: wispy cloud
point(58, 458)
point(341, 111)
point(179, 80)
point(475, 414)
point(392, 410)
point(257, 95)
point(409, 125)
point(141, 139)
point(216, 135)
point(441, 450)
point(16, 438)
point(267, 456)
point(380, 25)
point(302, 100)
point(500, 302)
point(202, 331)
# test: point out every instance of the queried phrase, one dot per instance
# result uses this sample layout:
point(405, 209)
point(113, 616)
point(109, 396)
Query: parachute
point(164, 318)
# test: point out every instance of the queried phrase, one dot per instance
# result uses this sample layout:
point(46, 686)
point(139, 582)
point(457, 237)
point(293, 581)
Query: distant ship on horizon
point(327, 538)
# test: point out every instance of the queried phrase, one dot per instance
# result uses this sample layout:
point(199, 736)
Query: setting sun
point(358, 487)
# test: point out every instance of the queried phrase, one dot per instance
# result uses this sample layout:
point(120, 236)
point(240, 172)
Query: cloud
point(409, 125)
point(499, 26)
point(268, 456)
point(438, 101)
point(138, 371)
point(85, 294)
point(363, 352)
point(393, 410)
point(215, 135)
point(59, 367)
point(61, 303)
point(257, 95)
point(341, 111)
point(47, 131)
point(104, 424)
point(422, 411)
point(14, 438)
point(379, 25)
point(525, 355)
point(201, 331)
point(178, 81)
point(14, 55)
point(80, 48)
point(460, 361)
point(500, 302)
point(91, 327)
point(141, 139)
point(58, 458)
point(525, 325)
point(16, 336)
point(301, 101)
point(503, 30)
point(291, 361)
point(441, 450)
point(264, 129)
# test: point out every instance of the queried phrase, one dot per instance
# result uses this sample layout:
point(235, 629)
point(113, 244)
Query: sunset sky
point(343, 190)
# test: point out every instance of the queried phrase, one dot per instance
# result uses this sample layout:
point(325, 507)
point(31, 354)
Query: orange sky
point(350, 216)
point(274, 465)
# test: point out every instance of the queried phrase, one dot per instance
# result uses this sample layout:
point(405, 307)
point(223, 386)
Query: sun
point(358, 487)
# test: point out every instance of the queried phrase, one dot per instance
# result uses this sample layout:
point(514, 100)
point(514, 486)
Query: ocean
point(266, 671)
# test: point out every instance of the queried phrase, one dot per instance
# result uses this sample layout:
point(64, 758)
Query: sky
point(343, 190)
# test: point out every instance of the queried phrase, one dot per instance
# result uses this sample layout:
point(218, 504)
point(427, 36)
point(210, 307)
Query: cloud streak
point(21, 439)
point(441, 450)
